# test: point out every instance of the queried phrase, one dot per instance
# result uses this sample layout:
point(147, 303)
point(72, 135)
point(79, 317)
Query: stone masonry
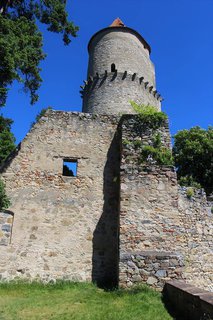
point(163, 233)
point(119, 70)
point(119, 221)
point(6, 223)
point(64, 227)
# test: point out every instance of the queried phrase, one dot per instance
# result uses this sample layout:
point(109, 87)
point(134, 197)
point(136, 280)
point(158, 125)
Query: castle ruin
point(116, 221)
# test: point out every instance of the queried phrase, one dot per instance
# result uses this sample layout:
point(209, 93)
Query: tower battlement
point(112, 92)
point(119, 70)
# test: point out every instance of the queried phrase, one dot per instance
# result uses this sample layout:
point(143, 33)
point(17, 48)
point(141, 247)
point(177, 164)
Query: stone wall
point(64, 227)
point(197, 220)
point(150, 267)
point(157, 217)
point(118, 218)
point(6, 224)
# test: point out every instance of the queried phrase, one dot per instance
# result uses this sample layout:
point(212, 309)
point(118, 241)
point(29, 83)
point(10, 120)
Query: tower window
point(113, 67)
point(70, 167)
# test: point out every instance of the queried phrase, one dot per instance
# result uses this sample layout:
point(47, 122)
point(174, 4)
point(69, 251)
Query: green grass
point(79, 301)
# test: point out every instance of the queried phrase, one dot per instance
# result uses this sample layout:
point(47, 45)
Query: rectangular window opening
point(70, 167)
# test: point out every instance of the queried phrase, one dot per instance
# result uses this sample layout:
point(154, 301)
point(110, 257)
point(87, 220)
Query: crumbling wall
point(64, 227)
point(6, 224)
point(163, 234)
point(198, 230)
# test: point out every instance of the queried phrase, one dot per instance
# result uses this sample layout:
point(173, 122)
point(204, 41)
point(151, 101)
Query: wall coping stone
point(188, 300)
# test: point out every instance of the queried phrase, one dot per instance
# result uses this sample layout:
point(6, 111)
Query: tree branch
point(3, 6)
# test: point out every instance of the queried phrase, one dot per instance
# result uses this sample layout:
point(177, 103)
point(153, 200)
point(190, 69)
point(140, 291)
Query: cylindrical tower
point(119, 70)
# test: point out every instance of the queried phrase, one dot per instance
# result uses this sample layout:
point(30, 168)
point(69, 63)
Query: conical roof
point(117, 23)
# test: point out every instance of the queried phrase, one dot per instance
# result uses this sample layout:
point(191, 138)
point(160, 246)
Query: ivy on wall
point(150, 119)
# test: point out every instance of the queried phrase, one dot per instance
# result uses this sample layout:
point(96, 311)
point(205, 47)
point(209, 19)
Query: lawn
point(79, 301)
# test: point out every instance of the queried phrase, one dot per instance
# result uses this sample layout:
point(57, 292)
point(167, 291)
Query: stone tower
point(119, 70)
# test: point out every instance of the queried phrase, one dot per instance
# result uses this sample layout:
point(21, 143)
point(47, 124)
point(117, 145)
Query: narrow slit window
point(69, 167)
point(112, 67)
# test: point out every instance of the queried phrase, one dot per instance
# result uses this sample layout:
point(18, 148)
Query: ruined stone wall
point(61, 227)
point(64, 227)
point(6, 224)
point(163, 234)
point(198, 230)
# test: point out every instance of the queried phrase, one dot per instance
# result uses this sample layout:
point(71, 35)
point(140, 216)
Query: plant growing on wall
point(4, 200)
point(151, 119)
point(161, 156)
point(40, 115)
point(149, 115)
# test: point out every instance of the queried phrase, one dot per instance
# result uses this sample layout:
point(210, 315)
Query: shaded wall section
point(106, 234)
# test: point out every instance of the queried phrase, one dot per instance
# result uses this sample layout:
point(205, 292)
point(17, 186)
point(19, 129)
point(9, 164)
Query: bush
point(190, 193)
point(149, 115)
point(162, 156)
point(188, 181)
point(4, 200)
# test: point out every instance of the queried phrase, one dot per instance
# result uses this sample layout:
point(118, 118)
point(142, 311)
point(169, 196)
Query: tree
point(7, 139)
point(193, 155)
point(21, 42)
point(4, 200)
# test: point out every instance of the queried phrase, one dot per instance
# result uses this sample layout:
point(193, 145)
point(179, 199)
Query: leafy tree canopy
point(7, 139)
point(21, 42)
point(193, 155)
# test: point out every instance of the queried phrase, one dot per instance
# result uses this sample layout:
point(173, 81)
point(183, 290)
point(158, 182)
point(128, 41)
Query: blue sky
point(180, 35)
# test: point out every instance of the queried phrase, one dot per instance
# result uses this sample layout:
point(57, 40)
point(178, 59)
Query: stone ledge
point(158, 254)
point(188, 301)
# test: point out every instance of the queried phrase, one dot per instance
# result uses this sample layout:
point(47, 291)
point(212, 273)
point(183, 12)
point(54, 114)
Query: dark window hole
point(113, 67)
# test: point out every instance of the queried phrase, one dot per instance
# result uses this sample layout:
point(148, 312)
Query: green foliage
point(193, 154)
point(21, 42)
point(4, 200)
point(157, 140)
point(149, 115)
point(7, 139)
point(40, 115)
point(190, 193)
point(150, 118)
point(137, 143)
point(188, 181)
point(162, 156)
point(79, 301)
point(126, 142)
